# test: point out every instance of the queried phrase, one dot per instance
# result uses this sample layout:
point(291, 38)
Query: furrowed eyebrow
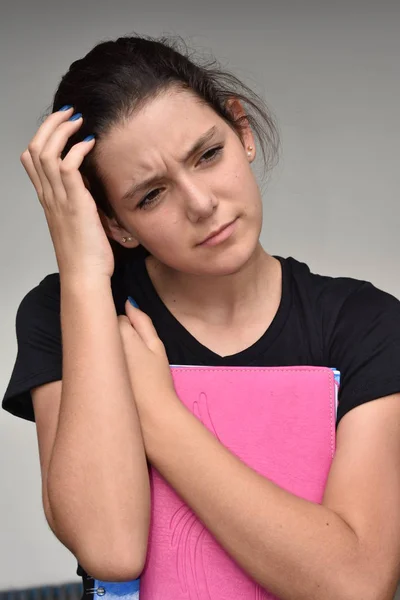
point(202, 141)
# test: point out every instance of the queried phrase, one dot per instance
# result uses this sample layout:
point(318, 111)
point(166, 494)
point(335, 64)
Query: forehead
point(168, 123)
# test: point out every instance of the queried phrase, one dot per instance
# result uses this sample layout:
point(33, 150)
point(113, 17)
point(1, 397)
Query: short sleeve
point(39, 355)
point(364, 345)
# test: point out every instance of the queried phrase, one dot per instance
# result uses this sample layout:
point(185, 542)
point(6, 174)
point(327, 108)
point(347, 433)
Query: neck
point(218, 300)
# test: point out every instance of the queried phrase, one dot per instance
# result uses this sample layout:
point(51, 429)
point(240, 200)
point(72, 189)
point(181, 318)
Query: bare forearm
point(294, 548)
point(98, 480)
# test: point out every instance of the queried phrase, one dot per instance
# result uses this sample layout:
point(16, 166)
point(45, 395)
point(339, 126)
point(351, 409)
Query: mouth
point(219, 235)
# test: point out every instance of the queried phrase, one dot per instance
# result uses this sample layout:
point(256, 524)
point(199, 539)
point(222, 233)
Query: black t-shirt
point(327, 321)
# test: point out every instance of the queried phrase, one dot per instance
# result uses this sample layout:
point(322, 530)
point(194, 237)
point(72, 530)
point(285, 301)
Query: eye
point(215, 152)
point(148, 200)
point(207, 157)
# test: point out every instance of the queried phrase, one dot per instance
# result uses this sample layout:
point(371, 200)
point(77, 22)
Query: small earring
point(127, 239)
point(249, 150)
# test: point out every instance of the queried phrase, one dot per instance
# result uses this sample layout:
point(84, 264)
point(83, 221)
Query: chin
point(229, 260)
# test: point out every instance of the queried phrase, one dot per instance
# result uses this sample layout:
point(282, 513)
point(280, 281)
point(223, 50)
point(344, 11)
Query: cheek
point(245, 187)
point(240, 177)
point(162, 233)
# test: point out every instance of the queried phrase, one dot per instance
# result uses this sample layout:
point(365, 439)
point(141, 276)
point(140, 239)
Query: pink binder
point(280, 421)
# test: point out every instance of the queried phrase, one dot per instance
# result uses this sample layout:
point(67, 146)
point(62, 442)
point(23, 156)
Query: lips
point(217, 232)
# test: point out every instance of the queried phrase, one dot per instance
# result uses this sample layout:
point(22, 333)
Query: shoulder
point(48, 287)
point(45, 296)
point(40, 301)
point(359, 327)
point(323, 288)
point(38, 333)
point(341, 301)
point(317, 301)
point(39, 341)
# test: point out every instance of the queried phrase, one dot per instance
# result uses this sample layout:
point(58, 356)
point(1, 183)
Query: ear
point(116, 231)
point(235, 107)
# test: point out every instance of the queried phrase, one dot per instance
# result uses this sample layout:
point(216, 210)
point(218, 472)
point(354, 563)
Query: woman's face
point(191, 195)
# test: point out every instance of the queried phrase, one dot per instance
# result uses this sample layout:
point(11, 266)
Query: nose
point(199, 202)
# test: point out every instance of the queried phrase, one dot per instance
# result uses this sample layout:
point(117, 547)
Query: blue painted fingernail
point(66, 107)
point(131, 300)
point(89, 138)
point(75, 117)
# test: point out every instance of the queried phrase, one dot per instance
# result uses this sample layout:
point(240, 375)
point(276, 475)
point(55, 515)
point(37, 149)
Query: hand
point(148, 366)
point(79, 239)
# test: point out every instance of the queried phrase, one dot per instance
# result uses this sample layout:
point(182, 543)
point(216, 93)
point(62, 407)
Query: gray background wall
point(329, 71)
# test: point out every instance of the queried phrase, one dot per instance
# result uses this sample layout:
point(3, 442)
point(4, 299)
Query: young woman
point(148, 151)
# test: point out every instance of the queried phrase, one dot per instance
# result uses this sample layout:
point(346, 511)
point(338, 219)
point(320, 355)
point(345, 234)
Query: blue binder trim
point(115, 589)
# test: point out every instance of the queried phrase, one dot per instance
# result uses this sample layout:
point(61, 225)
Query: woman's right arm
point(94, 469)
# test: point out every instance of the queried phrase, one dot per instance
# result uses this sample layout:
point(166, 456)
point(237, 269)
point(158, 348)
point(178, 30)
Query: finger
point(44, 132)
point(143, 325)
point(125, 326)
point(50, 156)
point(48, 127)
point(39, 140)
point(131, 342)
point(69, 168)
point(126, 329)
point(26, 160)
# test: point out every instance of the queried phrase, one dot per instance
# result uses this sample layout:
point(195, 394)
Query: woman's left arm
point(347, 548)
